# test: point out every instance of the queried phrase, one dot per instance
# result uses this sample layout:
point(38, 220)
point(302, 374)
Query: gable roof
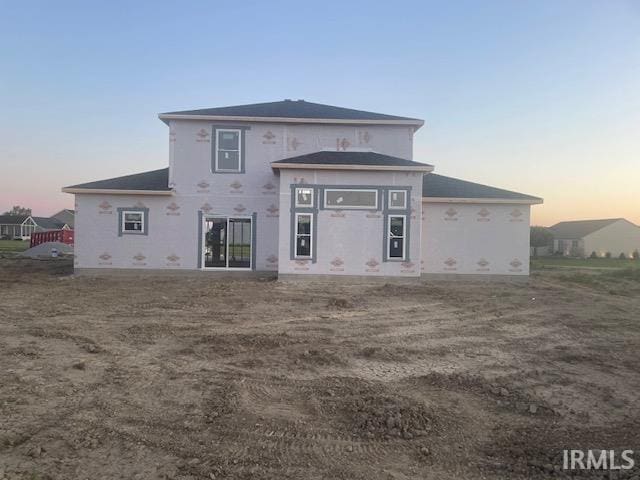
point(350, 161)
point(48, 223)
point(580, 228)
point(13, 219)
point(440, 187)
point(155, 181)
point(290, 110)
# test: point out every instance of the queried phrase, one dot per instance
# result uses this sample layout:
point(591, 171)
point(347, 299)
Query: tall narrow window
point(396, 237)
point(303, 235)
point(228, 150)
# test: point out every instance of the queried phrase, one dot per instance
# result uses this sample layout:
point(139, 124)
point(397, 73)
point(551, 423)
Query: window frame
point(295, 199)
point(390, 236)
point(296, 235)
point(217, 140)
point(404, 203)
point(350, 207)
point(123, 222)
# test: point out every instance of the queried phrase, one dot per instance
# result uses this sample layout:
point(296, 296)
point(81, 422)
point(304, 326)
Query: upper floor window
point(350, 198)
point(304, 197)
point(397, 199)
point(228, 150)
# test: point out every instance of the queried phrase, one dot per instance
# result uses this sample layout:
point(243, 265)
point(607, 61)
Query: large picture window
point(228, 150)
point(304, 235)
point(396, 237)
point(350, 198)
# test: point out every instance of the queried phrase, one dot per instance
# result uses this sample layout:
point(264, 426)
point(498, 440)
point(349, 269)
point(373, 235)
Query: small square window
point(397, 199)
point(133, 222)
point(304, 197)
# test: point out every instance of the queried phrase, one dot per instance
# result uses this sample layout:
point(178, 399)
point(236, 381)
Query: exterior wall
point(569, 247)
point(191, 154)
point(475, 239)
point(350, 242)
point(173, 239)
point(619, 237)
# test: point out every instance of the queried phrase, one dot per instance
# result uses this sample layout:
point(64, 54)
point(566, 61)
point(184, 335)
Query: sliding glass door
point(227, 242)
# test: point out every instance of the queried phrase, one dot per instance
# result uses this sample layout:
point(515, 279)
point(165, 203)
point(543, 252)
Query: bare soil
point(155, 377)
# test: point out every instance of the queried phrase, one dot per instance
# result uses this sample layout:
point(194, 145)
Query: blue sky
point(541, 97)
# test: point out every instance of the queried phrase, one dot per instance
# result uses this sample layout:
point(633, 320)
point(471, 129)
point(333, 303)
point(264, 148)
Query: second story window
point(228, 150)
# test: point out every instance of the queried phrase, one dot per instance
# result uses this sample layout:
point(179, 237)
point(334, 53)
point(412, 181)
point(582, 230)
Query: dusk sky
point(539, 97)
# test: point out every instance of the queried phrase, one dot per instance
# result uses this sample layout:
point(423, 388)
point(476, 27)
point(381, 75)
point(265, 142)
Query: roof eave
point(165, 117)
point(324, 166)
point(519, 201)
point(109, 191)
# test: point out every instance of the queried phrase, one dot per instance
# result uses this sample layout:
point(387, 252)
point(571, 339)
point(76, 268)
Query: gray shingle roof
point(350, 158)
point(439, 186)
point(48, 223)
point(12, 219)
point(291, 109)
point(579, 228)
point(157, 180)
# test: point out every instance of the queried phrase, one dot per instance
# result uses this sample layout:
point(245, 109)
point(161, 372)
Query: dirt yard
point(194, 378)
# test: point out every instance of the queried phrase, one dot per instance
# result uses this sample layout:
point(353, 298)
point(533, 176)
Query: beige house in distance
point(581, 238)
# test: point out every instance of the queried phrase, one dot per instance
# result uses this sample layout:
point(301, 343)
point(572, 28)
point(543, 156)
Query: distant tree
point(18, 210)
point(593, 255)
point(607, 255)
point(622, 256)
point(636, 254)
point(541, 237)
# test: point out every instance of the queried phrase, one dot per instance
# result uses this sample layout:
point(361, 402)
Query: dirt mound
point(375, 411)
point(46, 249)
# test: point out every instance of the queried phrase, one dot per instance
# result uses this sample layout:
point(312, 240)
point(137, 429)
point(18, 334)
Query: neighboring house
point(581, 238)
point(65, 216)
point(16, 227)
point(298, 188)
point(44, 224)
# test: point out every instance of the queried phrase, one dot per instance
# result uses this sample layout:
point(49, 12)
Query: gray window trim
point(254, 238)
point(381, 192)
point(350, 207)
point(214, 144)
point(313, 211)
point(392, 212)
point(145, 220)
point(397, 190)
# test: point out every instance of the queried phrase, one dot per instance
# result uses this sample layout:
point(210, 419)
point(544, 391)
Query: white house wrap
point(298, 188)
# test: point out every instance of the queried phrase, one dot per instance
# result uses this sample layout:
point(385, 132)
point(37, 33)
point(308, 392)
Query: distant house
point(583, 237)
point(22, 226)
point(49, 223)
point(16, 227)
point(65, 216)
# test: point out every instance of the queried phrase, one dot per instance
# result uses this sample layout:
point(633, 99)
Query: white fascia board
point(173, 116)
point(103, 191)
point(311, 166)
point(507, 201)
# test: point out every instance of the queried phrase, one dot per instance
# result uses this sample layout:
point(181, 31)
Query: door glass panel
point(215, 251)
point(239, 242)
